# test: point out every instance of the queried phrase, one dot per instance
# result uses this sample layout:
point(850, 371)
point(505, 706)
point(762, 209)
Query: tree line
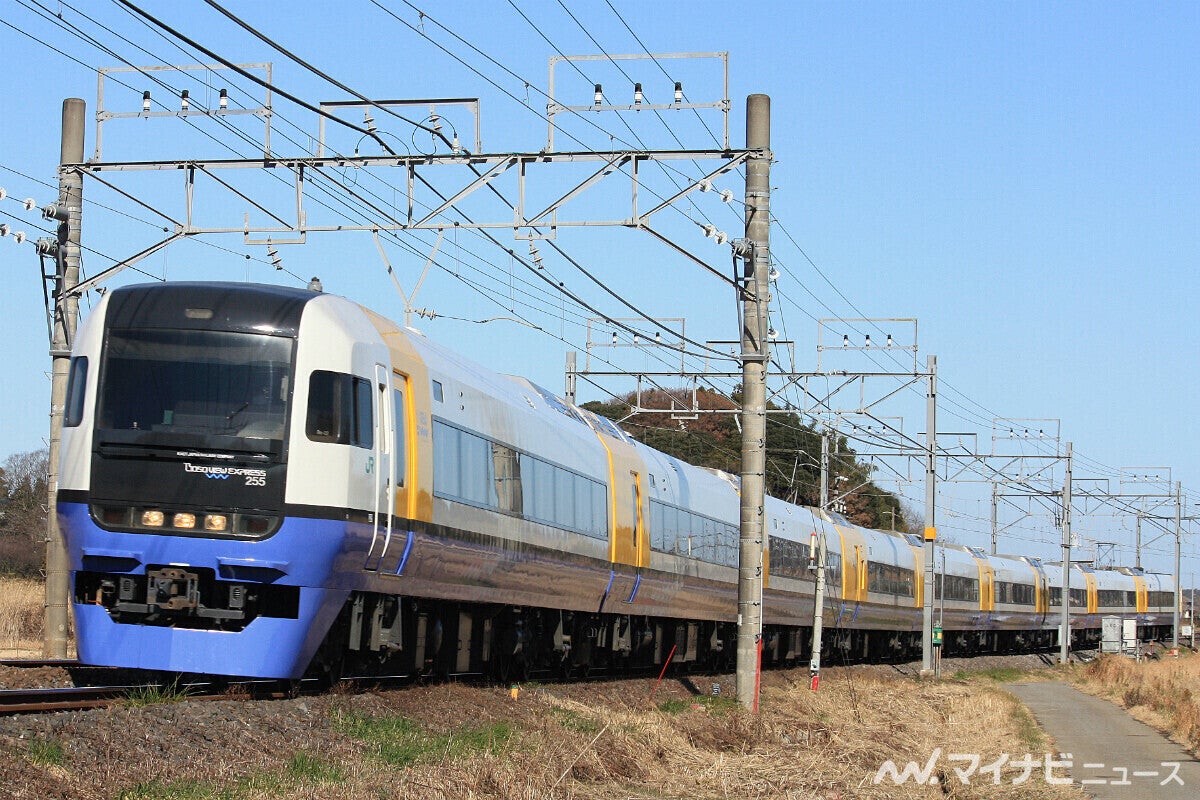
point(24, 481)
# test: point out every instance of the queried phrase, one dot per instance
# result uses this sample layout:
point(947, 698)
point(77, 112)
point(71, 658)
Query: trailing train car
point(267, 481)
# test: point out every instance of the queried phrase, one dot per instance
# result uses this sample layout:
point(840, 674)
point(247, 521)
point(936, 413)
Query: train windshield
point(196, 383)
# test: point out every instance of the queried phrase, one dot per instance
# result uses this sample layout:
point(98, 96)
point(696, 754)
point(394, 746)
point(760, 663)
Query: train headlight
point(215, 522)
point(152, 519)
point(184, 520)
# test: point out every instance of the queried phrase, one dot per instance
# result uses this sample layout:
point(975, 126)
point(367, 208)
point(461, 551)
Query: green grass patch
point(47, 753)
point(718, 705)
point(1027, 728)
point(674, 706)
point(997, 674)
point(179, 790)
point(574, 721)
point(301, 769)
point(153, 695)
point(305, 767)
point(402, 742)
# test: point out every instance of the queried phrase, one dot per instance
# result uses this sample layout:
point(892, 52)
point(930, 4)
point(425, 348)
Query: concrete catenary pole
point(66, 318)
point(755, 353)
point(1137, 548)
point(1178, 585)
point(930, 515)
point(816, 557)
point(995, 517)
point(1064, 636)
point(570, 377)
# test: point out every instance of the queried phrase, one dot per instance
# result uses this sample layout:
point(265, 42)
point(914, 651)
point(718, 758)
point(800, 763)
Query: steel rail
point(73, 698)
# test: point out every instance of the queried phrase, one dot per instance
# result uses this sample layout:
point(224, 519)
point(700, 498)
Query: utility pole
point(1064, 638)
point(755, 353)
point(816, 558)
point(1178, 586)
point(930, 516)
point(66, 319)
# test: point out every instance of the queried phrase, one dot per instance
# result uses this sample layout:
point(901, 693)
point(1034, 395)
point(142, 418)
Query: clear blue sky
point(1023, 178)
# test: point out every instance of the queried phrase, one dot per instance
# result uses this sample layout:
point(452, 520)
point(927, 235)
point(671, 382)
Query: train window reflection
point(206, 382)
point(339, 409)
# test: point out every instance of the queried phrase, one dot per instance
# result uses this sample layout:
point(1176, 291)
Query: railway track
point(79, 698)
point(65, 663)
point(154, 689)
point(72, 698)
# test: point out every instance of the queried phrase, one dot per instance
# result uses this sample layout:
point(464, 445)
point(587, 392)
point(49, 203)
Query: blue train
point(268, 481)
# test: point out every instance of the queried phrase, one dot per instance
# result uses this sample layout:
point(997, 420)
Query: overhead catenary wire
point(573, 297)
point(964, 395)
point(95, 43)
point(252, 77)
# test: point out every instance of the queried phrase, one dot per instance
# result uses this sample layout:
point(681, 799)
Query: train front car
point(176, 437)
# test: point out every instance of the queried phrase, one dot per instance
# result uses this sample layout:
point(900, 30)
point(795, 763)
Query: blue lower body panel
point(266, 648)
point(318, 556)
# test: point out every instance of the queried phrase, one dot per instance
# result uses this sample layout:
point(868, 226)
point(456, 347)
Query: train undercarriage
point(389, 635)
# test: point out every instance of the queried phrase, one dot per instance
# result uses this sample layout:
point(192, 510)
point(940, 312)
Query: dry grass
point(591, 740)
point(22, 604)
point(1158, 692)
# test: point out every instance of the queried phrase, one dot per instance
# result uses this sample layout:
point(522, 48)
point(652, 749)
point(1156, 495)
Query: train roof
point(242, 307)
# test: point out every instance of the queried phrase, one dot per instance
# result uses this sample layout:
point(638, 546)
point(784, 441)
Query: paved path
point(1111, 754)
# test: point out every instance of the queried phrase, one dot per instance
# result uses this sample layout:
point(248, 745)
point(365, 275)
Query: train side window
point(584, 513)
point(446, 481)
point(506, 467)
point(364, 423)
point(339, 409)
point(656, 526)
point(437, 391)
point(76, 385)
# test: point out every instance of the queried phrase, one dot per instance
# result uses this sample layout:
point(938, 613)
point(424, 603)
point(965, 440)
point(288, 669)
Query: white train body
point(264, 481)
